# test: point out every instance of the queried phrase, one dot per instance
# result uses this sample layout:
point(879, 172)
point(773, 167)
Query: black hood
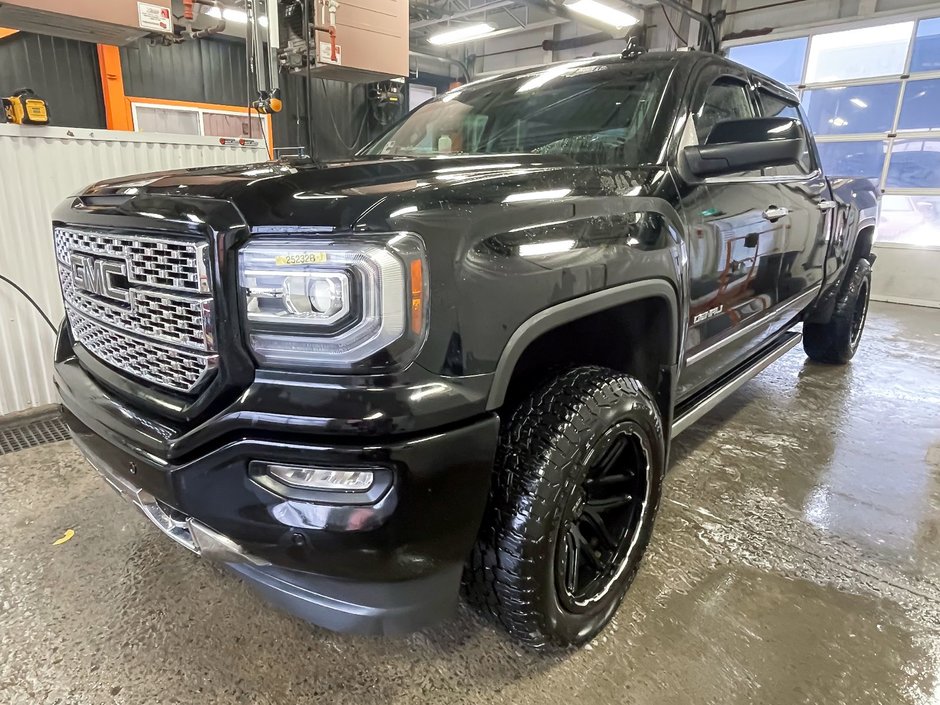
point(365, 192)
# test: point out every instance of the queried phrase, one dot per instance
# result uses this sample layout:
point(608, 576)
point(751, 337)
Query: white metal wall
point(39, 168)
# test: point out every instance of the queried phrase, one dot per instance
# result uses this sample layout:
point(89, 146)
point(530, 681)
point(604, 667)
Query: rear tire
point(578, 479)
point(837, 341)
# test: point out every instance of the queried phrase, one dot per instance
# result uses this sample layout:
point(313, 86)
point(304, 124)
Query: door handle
point(826, 205)
point(773, 213)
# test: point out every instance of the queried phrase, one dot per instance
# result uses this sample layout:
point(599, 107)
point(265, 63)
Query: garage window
point(912, 220)
point(871, 95)
point(915, 164)
point(859, 53)
point(920, 109)
point(149, 118)
point(846, 110)
point(782, 59)
point(926, 56)
point(195, 120)
point(857, 159)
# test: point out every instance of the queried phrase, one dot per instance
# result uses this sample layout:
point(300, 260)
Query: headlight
point(335, 304)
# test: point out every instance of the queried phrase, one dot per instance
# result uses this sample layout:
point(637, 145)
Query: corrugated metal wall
point(348, 101)
point(62, 71)
point(205, 71)
point(212, 70)
point(49, 165)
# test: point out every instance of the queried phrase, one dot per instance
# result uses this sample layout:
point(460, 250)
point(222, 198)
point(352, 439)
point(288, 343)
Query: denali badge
point(710, 313)
point(96, 276)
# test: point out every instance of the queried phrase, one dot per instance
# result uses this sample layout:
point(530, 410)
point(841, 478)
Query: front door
point(736, 229)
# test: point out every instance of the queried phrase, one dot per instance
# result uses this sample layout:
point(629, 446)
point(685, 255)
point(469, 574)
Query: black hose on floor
point(31, 300)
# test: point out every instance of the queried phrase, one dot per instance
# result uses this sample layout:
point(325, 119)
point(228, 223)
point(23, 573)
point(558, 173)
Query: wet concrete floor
point(796, 560)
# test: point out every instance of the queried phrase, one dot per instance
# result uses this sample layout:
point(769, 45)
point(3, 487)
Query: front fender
point(512, 267)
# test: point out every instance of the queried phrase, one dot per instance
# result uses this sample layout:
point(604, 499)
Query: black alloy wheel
point(603, 517)
point(836, 341)
point(859, 314)
point(579, 473)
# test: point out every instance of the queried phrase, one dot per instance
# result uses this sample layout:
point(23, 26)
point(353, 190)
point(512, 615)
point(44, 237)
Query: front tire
point(578, 479)
point(837, 341)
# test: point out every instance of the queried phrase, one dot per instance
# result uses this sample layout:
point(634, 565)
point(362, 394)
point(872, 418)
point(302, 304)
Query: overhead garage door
point(872, 97)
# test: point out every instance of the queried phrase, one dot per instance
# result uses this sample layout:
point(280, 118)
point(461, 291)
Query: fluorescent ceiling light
point(603, 13)
point(549, 195)
point(858, 102)
point(838, 122)
point(461, 34)
point(237, 16)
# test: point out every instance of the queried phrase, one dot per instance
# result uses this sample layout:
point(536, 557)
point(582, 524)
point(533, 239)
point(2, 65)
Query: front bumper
point(389, 566)
point(362, 608)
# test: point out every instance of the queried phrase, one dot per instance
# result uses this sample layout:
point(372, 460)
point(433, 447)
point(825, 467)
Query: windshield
point(594, 114)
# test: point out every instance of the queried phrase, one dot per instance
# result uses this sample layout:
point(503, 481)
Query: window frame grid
point(903, 78)
point(200, 112)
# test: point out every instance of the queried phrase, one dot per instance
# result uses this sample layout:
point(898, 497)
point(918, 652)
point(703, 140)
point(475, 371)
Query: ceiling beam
point(465, 13)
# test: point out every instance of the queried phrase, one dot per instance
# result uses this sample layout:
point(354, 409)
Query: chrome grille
point(152, 261)
point(154, 319)
point(175, 319)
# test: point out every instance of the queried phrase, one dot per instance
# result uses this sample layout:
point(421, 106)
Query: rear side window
point(726, 99)
point(776, 106)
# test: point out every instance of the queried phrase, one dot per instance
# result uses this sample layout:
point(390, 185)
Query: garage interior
point(795, 556)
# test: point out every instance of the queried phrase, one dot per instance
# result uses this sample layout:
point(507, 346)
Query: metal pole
point(274, 43)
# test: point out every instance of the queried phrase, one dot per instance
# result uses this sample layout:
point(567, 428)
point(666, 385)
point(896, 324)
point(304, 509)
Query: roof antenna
point(634, 49)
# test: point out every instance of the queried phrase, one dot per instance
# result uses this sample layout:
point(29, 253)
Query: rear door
point(804, 193)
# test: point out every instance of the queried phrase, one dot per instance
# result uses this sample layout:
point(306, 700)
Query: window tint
point(859, 53)
point(919, 109)
point(926, 56)
point(852, 109)
point(776, 106)
point(782, 59)
point(726, 99)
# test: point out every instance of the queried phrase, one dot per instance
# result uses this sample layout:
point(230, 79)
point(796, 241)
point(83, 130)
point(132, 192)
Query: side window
point(725, 99)
point(776, 106)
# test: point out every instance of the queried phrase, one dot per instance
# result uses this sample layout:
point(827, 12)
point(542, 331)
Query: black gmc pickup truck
point(461, 355)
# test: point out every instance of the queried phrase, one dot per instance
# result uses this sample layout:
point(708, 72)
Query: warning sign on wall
point(156, 18)
point(326, 54)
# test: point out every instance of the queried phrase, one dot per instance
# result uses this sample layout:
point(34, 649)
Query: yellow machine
point(25, 108)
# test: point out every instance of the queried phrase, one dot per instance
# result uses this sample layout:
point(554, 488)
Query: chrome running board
point(699, 409)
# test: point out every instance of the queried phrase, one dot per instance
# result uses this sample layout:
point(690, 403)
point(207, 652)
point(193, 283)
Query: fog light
point(309, 478)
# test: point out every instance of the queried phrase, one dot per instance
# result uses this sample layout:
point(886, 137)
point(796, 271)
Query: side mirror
point(734, 146)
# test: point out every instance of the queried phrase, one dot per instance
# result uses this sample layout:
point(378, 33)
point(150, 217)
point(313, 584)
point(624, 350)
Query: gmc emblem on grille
point(97, 276)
